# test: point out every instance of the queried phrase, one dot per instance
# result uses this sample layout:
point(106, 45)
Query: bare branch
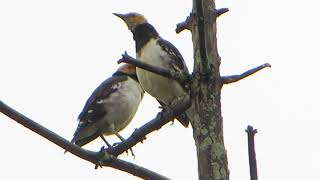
point(102, 159)
point(252, 154)
point(139, 134)
point(235, 78)
point(185, 25)
point(136, 170)
point(219, 12)
point(181, 78)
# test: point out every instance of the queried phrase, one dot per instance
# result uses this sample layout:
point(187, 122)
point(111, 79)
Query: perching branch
point(162, 118)
point(186, 25)
point(235, 78)
point(181, 78)
point(99, 158)
point(252, 154)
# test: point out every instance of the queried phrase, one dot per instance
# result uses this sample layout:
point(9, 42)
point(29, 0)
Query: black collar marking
point(142, 34)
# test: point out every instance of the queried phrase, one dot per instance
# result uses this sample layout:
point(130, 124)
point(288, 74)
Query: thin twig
point(181, 78)
point(235, 78)
point(99, 158)
point(252, 154)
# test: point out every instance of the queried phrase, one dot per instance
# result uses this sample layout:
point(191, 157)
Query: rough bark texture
point(207, 120)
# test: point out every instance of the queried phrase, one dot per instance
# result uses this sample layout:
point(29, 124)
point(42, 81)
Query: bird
point(152, 49)
point(110, 108)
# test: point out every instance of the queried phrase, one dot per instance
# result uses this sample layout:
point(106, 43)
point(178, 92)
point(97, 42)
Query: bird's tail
point(183, 119)
point(83, 141)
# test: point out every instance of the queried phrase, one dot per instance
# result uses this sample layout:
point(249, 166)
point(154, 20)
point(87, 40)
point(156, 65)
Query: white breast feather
point(163, 89)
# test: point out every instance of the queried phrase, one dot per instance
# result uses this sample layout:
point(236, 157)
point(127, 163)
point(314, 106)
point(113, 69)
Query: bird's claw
point(165, 109)
point(172, 122)
point(99, 164)
point(132, 154)
point(117, 143)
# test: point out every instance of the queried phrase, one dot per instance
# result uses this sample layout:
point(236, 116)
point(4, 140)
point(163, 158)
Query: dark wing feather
point(94, 111)
point(178, 62)
point(86, 140)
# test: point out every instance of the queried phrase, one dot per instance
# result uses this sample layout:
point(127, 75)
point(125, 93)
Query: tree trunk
point(207, 120)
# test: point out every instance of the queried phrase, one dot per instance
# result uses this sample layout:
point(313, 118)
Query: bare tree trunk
point(207, 120)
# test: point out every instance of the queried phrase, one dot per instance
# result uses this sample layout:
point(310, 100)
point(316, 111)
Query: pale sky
point(53, 54)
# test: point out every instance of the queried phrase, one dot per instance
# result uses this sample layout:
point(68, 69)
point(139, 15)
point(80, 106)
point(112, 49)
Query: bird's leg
point(102, 137)
point(122, 139)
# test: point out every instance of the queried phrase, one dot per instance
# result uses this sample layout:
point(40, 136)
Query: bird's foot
point(117, 143)
point(166, 110)
point(98, 165)
point(172, 122)
point(132, 154)
point(99, 162)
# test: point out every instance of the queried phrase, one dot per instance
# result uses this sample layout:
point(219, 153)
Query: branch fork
point(186, 24)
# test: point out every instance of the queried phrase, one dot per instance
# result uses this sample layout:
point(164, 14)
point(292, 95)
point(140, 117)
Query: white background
point(53, 54)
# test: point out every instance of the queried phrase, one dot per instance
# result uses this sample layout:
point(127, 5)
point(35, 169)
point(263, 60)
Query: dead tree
point(205, 89)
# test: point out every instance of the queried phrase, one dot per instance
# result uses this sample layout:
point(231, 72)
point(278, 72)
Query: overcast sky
point(53, 54)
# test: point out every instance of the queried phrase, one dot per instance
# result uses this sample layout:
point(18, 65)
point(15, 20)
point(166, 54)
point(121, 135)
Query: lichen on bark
point(207, 120)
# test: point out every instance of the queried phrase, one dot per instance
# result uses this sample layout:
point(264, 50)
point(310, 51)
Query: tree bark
point(207, 121)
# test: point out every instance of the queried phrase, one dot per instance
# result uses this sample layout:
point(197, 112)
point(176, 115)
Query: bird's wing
point(177, 61)
point(94, 108)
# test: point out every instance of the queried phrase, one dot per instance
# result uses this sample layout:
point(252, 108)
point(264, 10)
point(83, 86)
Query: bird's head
point(132, 19)
point(127, 69)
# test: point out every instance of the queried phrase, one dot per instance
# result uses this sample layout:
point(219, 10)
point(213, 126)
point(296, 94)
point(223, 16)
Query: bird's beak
point(122, 16)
